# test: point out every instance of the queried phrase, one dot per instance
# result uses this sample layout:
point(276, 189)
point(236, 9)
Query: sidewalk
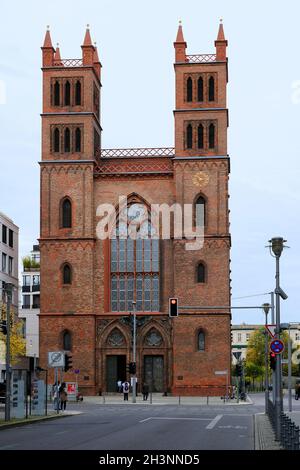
point(295, 416)
point(33, 419)
point(264, 434)
point(159, 399)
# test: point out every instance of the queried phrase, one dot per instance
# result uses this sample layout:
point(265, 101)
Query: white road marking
point(230, 426)
point(9, 446)
point(164, 417)
point(61, 432)
point(212, 424)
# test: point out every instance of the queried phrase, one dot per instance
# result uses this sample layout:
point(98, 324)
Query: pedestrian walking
point(63, 397)
point(119, 386)
point(125, 388)
point(145, 391)
point(55, 395)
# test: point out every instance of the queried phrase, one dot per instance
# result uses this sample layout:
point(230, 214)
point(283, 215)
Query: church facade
point(91, 284)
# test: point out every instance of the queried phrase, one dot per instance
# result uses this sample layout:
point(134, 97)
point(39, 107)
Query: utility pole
point(290, 369)
point(277, 245)
point(8, 291)
point(134, 353)
point(266, 308)
point(273, 322)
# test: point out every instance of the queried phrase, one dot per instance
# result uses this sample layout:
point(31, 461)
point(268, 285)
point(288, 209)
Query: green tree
point(255, 355)
point(17, 340)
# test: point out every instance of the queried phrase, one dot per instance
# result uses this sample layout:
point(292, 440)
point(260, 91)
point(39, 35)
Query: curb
point(32, 421)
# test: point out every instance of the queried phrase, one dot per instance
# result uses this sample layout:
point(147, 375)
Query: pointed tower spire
point(221, 44)
point(48, 50)
point(180, 45)
point(97, 63)
point(87, 38)
point(57, 58)
point(87, 48)
point(47, 40)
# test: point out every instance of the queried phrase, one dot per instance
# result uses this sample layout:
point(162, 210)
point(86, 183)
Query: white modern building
point(9, 259)
point(30, 305)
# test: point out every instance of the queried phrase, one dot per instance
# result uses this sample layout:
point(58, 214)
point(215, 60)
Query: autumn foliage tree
point(17, 341)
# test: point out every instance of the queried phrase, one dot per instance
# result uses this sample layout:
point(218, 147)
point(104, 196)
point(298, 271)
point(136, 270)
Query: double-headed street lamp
point(276, 246)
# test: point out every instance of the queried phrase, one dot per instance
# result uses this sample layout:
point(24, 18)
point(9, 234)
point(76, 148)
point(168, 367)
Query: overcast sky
point(135, 42)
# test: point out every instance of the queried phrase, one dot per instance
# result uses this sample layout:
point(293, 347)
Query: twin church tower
point(88, 285)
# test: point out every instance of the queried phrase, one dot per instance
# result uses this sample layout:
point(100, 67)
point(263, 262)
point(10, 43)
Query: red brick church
point(88, 285)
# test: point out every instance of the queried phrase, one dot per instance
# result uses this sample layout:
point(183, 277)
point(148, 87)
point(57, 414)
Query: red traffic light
point(173, 307)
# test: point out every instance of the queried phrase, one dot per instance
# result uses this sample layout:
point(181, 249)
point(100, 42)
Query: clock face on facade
point(200, 179)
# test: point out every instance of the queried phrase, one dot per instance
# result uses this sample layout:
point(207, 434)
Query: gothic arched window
point(56, 94)
point(189, 89)
point(67, 274)
point(211, 136)
point(200, 212)
point(134, 262)
point(200, 137)
point(211, 89)
point(189, 137)
point(67, 93)
point(201, 341)
point(66, 213)
point(78, 93)
point(67, 140)
point(56, 140)
point(78, 140)
point(67, 341)
point(201, 273)
point(200, 89)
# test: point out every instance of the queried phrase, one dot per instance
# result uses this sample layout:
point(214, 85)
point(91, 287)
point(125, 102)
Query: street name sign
point(221, 372)
point(277, 346)
point(271, 330)
point(56, 359)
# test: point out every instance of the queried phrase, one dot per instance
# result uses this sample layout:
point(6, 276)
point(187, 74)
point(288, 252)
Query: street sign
point(271, 330)
point(237, 355)
point(56, 359)
point(284, 361)
point(221, 372)
point(277, 346)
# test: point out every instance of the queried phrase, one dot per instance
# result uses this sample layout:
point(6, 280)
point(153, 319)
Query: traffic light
point(173, 307)
point(273, 361)
point(239, 369)
point(131, 368)
point(3, 327)
point(68, 362)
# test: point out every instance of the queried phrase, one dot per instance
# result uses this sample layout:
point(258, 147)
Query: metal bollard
point(289, 440)
point(207, 400)
point(103, 399)
point(297, 443)
point(293, 436)
point(179, 400)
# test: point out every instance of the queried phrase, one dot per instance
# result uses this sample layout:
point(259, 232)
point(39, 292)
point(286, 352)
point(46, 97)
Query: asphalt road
point(128, 427)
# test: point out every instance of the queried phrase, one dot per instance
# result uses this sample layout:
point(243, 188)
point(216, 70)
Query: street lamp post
point(277, 245)
point(8, 290)
point(266, 308)
point(134, 352)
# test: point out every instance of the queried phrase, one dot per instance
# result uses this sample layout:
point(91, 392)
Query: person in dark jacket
point(63, 397)
point(145, 391)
